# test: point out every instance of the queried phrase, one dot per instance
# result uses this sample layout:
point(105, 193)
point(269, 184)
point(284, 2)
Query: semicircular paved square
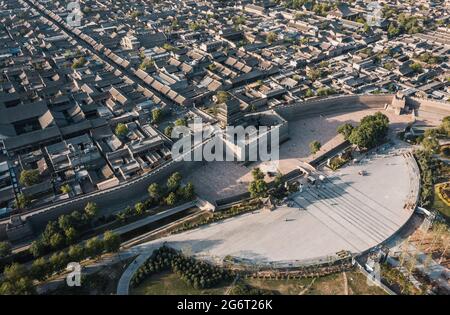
point(348, 212)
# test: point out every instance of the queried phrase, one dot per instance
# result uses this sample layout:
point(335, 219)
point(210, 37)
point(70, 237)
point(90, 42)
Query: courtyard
point(217, 180)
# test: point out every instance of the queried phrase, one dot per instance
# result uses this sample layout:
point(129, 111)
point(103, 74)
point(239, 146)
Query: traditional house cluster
point(139, 66)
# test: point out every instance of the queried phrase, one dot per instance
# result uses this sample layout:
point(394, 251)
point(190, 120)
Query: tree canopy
point(345, 130)
point(372, 130)
point(121, 130)
point(29, 177)
point(315, 146)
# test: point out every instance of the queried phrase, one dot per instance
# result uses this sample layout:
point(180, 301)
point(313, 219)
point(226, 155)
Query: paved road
point(124, 281)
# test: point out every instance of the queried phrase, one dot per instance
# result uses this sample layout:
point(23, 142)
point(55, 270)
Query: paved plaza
point(348, 212)
point(217, 180)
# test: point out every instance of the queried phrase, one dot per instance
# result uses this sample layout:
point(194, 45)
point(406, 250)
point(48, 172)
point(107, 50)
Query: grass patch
point(169, 283)
point(282, 286)
point(357, 285)
point(327, 285)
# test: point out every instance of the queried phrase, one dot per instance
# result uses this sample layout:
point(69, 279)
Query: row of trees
point(428, 170)
point(372, 131)
point(199, 275)
point(169, 195)
point(63, 231)
point(67, 228)
point(172, 192)
point(42, 267)
point(18, 280)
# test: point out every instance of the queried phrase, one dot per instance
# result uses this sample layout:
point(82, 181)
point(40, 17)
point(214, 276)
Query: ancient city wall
point(346, 103)
point(428, 109)
point(130, 190)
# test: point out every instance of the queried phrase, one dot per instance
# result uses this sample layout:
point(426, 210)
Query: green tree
point(78, 63)
point(257, 174)
point(416, 67)
point(345, 130)
point(222, 97)
point(168, 47)
point(29, 177)
point(431, 144)
point(181, 122)
point(38, 248)
point(5, 249)
point(76, 252)
point(39, 269)
point(65, 222)
point(58, 261)
point(91, 210)
point(445, 126)
point(65, 189)
point(16, 281)
point(22, 201)
point(156, 115)
point(325, 91)
point(194, 26)
point(188, 191)
point(94, 247)
point(135, 14)
point(111, 242)
point(314, 74)
point(56, 240)
point(258, 188)
point(309, 93)
point(154, 192)
point(168, 131)
point(139, 208)
point(121, 130)
point(278, 181)
point(71, 235)
point(371, 131)
point(315, 146)
point(393, 30)
point(171, 199)
point(146, 63)
point(173, 182)
point(271, 38)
